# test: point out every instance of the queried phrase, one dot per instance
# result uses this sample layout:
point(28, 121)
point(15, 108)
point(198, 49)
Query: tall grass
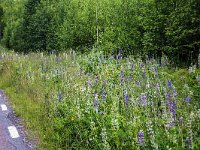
point(93, 101)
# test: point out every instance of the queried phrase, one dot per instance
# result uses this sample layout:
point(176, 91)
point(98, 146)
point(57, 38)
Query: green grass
point(75, 101)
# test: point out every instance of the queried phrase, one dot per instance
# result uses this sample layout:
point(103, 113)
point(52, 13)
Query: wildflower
point(141, 65)
point(187, 143)
point(174, 93)
point(59, 95)
point(126, 99)
point(156, 71)
point(101, 112)
point(95, 95)
point(141, 138)
point(157, 86)
point(120, 51)
point(118, 57)
point(82, 89)
point(198, 77)
point(173, 109)
point(96, 105)
point(187, 99)
point(121, 78)
point(57, 60)
point(147, 59)
point(96, 79)
point(121, 75)
point(138, 83)
point(169, 124)
point(89, 82)
point(167, 95)
point(187, 140)
point(143, 99)
point(181, 120)
point(169, 84)
point(105, 138)
point(144, 75)
point(81, 71)
point(132, 67)
point(103, 94)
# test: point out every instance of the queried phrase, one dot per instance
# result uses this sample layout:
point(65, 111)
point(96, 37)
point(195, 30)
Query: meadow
point(97, 101)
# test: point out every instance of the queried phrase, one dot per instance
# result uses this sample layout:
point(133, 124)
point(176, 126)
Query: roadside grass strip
point(13, 132)
point(4, 107)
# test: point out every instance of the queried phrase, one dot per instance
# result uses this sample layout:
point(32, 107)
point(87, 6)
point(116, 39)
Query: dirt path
point(12, 135)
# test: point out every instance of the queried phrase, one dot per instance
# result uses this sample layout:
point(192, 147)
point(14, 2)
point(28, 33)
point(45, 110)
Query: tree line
point(138, 27)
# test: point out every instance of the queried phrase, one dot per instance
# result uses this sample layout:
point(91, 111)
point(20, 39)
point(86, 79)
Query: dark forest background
point(138, 27)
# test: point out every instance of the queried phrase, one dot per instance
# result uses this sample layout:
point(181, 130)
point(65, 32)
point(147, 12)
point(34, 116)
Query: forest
point(103, 74)
point(147, 27)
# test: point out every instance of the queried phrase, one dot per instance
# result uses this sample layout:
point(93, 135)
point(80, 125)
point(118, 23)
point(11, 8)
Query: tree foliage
point(142, 27)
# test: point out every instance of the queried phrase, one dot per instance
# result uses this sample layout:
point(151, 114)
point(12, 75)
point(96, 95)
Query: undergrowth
point(72, 101)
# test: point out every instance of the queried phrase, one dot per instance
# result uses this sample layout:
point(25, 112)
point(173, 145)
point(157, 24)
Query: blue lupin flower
point(95, 103)
point(121, 75)
point(169, 84)
point(143, 99)
point(141, 65)
point(103, 94)
point(120, 52)
point(81, 71)
point(140, 136)
point(59, 95)
point(173, 109)
point(147, 59)
point(174, 93)
point(167, 95)
point(96, 79)
point(156, 71)
point(132, 67)
point(126, 99)
point(144, 75)
point(187, 99)
point(89, 83)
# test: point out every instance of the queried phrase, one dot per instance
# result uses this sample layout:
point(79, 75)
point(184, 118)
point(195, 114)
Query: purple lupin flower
point(89, 83)
point(103, 94)
point(173, 109)
point(120, 52)
point(81, 71)
point(96, 79)
point(174, 93)
point(96, 103)
point(121, 78)
point(147, 59)
point(143, 99)
point(59, 96)
point(167, 95)
point(169, 84)
point(132, 67)
point(156, 71)
point(140, 136)
point(181, 120)
point(126, 100)
point(187, 143)
point(144, 75)
point(188, 99)
point(141, 65)
point(121, 75)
